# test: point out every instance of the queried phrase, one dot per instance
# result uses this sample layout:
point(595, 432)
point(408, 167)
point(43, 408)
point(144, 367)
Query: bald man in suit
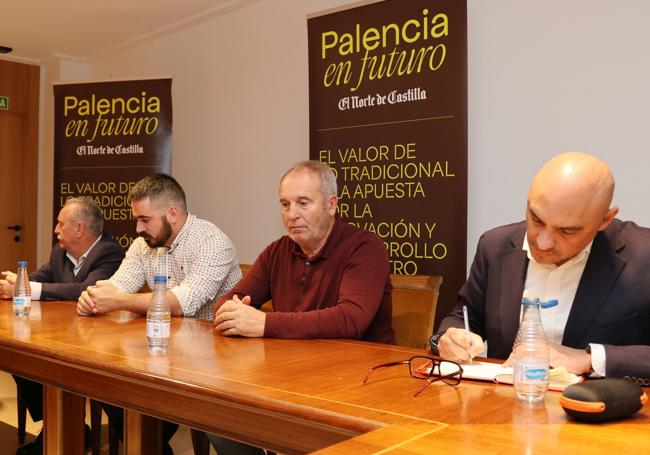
point(571, 248)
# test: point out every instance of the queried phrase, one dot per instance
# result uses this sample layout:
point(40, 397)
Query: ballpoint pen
point(466, 319)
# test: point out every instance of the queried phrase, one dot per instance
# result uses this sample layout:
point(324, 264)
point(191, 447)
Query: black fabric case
point(602, 399)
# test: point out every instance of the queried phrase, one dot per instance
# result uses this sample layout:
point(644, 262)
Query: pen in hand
point(466, 319)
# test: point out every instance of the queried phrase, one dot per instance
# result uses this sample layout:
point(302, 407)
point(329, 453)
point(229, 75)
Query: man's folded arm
point(43, 274)
point(214, 262)
point(344, 320)
point(72, 291)
point(360, 294)
point(104, 267)
point(254, 283)
point(633, 361)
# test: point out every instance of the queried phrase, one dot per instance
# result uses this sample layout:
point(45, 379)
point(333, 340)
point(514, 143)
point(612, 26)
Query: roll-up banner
point(388, 112)
point(107, 136)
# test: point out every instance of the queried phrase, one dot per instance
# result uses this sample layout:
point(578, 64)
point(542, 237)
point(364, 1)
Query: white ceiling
point(38, 30)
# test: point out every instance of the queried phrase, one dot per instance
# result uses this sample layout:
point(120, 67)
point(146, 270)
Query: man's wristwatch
point(435, 338)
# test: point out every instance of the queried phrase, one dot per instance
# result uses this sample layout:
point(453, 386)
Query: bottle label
point(531, 373)
point(158, 329)
point(23, 301)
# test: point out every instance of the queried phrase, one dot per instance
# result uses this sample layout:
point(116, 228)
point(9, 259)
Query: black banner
point(388, 112)
point(107, 136)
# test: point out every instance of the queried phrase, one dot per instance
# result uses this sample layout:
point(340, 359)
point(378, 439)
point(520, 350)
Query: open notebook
point(559, 378)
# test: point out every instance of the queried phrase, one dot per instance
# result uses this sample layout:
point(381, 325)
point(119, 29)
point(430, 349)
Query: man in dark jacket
point(572, 251)
point(82, 256)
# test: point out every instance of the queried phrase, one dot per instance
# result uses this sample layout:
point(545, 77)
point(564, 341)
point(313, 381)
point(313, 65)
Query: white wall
point(551, 76)
point(57, 68)
point(240, 95)
point(544, 77)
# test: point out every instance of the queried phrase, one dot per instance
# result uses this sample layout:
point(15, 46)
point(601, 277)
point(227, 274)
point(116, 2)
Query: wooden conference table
point(292, 396)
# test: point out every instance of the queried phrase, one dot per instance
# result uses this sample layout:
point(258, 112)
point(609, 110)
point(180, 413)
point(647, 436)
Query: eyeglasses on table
point(429, 369)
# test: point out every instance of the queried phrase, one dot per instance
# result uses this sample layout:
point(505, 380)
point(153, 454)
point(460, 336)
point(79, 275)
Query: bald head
point(568, 203)
point(576, 179)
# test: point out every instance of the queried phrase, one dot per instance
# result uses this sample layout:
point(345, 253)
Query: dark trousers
point(225, 446)
point(32, 394)
point(116, 421)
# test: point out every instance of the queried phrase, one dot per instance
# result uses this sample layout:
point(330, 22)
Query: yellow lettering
point(69, 102)
point(327, 44)
point(405, 36)
point(371, 39)
point(76, 128)
point(439, 25)
point(336, 72)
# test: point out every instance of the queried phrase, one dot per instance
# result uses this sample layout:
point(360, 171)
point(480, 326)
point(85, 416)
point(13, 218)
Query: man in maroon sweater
point(327, 278)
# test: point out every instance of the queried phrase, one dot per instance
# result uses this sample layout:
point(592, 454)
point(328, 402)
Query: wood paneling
point(65, 434)
point(18, 160)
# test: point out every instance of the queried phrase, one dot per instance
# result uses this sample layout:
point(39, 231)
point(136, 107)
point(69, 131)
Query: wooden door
point(18, 164)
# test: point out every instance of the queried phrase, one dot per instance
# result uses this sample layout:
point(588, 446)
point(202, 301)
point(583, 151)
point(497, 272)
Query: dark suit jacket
point(60, 283)
point(611, 305)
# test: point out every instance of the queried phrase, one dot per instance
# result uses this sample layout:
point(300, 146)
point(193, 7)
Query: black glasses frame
point(424, 372)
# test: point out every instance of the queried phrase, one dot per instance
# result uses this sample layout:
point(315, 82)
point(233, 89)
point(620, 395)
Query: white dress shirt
point(552, 282)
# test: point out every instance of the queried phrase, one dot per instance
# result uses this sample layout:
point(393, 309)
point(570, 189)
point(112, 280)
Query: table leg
point(63, 422)
point(142, 434)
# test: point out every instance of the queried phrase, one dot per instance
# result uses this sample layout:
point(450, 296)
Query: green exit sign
point(4, 103)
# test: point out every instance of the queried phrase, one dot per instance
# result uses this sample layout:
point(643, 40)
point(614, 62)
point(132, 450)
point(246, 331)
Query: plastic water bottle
point(158, 316)
point(22, 302)
point(530, 355)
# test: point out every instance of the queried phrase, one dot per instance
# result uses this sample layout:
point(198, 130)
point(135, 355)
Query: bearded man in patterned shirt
point(199, 260)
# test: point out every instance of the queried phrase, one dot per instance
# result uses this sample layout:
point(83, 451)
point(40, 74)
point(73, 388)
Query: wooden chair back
point(415, 298)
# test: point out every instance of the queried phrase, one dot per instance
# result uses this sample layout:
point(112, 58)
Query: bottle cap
point(549, 303)
point(22, 263)
point(159, 279)
point(535, 301)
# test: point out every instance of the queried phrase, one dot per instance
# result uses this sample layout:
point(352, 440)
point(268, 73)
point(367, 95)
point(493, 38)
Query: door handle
point(15, 227)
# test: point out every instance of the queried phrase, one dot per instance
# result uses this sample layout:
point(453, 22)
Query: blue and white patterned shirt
point(201, 265)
